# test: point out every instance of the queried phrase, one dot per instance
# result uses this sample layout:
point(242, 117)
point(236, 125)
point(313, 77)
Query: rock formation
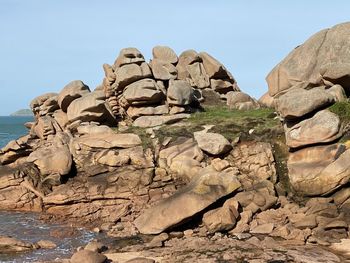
point(307, 82)
point(95, 158)
point(168, 84)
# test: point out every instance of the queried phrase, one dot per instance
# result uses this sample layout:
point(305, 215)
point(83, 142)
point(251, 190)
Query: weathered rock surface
point(128, 56)
point(130, 73)
point(96, 153)
point(45, 126)
point(12, 245)
point(163, 70)
point(88, 256)
point(212, 143)
point(53, 160)
point(165, 54)
point(322, 59)
point(183, 157)
point(319, 170)
point(14, 150)
point(153, 121)
point(255, 160)
point(338, 93)
point(241, 101)
point(180, 93)
point(298, 102)
point(186, 58)
point(135, 112)
point(213, 67)
point(144, 91)
point(166, 80)
point(90, 107)
point(267, 101)
point(44, 104)
point(70, 92)
point(223, 218)
point(343, 247)
point(323, 127)
point(202, 191)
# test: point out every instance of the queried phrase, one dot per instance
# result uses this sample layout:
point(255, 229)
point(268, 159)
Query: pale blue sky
point(44, 44)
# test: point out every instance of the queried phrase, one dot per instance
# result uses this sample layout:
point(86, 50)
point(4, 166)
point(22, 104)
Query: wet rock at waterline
point(13, 245)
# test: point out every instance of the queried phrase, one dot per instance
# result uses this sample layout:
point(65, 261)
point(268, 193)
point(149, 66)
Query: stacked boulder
point(311, 78)
point(43, 157)
point(167, 85)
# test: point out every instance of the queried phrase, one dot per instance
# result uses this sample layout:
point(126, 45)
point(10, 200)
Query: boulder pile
point(79, 163)
point(167, 85)
point(304, 85)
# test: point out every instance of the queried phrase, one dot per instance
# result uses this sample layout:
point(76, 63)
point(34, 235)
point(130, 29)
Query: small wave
point(4, 134)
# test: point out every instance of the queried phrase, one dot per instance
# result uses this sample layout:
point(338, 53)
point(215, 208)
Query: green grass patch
point(342, 109)
point(232, 123)
point(228, 122)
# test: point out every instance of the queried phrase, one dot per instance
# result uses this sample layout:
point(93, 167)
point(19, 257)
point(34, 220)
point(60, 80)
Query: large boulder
point(199, 78)
point(298, 102)
point(163, 70)
point(323, 127)
point(182, 157)
point(87, 256)
point(179, 93)
point(165, 54)
point(319, 170)
point(153, 121)
point(212, 143)
point(90, 107)
point(61, 118)
point(53, 160)
point(213, 68)
point(145, 91)
point(241, 101)
point(223, 218)
point(100, 151)
point(338, 93)
point(135, 112)
point(16, 188)
point(223, 86)
point(128, 56)
point(14, 150)
point(45, 126)
point(186, 58)
point(13, 245)
point(130, 73)
point(70, 92)
point(267, 101)
point(322, 59)
point(107, 140)
point(206, 188)
point(44, 104)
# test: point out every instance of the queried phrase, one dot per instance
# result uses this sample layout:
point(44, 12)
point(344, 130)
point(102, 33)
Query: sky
point(45, 44)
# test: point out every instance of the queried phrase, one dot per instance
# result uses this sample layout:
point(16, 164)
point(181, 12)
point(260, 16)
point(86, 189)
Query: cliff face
point(174, 143)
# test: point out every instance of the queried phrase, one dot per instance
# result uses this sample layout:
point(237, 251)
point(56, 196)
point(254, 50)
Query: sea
point(28, 226)
point(12, 127)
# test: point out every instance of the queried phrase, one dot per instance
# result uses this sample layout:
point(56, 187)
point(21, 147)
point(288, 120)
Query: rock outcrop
point(204, 190)
point(322, 60)
point(303, 86)
point(167, 85)
point(91, 159)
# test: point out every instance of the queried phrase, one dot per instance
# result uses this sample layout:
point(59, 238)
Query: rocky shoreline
point(172, 148)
